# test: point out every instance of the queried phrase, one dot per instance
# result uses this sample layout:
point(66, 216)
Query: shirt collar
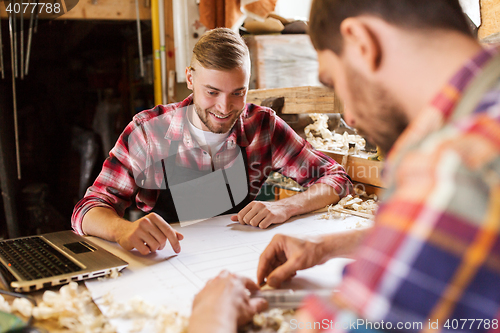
point(447, 99)
point(176, 130)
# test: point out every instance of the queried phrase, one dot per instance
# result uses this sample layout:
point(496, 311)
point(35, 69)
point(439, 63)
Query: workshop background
point(84, 84)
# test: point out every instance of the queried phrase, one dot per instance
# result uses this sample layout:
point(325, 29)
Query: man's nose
point(224, 105)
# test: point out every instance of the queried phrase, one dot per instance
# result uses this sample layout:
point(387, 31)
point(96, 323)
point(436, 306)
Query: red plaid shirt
point(270, 144)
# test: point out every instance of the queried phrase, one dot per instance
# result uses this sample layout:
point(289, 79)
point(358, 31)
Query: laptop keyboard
point(34, 259)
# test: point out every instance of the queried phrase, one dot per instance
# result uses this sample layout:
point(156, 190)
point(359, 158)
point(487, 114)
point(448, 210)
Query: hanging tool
point(139, 37)
point(28, 47)
point(36, 17)
point(1, 52)
point(14, 97)
point(21, 42)
point(13, 12)
point(63, 5)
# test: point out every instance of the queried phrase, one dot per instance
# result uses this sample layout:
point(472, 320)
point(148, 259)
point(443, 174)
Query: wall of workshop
point(73, 65)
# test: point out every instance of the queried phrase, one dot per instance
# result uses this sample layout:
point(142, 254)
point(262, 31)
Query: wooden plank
point(300, 99)
point(102, 10)
point(360, 169)
point(490, 18)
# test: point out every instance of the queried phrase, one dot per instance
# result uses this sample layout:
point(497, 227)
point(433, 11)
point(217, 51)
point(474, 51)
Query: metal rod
point(28, 47)
point(36, 17)
point(1, 52)
point(21, 42)
point(15, 36)
point(14, 98)
point(63, 5)
point(139, 37)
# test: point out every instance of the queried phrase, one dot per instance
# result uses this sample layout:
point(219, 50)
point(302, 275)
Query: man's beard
point(215, 128)
point(386, 121)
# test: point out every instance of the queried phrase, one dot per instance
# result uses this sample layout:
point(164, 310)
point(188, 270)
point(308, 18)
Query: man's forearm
point(316, 197)
point(341, 244)
point(102, 222)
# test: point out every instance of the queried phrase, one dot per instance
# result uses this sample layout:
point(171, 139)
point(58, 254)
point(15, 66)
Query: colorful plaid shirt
point(270, 145)
point(432, 260)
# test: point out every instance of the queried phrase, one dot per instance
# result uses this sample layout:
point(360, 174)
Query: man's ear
point(189, 78)
point(361, 44)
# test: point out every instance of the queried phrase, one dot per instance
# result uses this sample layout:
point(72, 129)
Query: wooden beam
point(102, 10)
point(300, 99)
point(490, 18)
point(107, 10)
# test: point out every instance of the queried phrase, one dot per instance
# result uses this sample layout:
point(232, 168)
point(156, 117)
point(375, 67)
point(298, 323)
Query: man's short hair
point(220, 49)
point(327, 15)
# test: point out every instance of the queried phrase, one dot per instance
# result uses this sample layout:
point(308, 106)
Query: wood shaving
point(273, 320)
point(23, 306)
point(68, 308)
point(360, 202)
point(72, 308)
point(320, 137)
point(4, 305)
point(142, 314)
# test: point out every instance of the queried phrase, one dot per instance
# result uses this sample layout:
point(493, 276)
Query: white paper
point(165, 278)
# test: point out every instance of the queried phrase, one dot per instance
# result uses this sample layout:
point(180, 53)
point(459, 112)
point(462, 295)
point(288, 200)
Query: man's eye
point(212, 93)
point(239, 94)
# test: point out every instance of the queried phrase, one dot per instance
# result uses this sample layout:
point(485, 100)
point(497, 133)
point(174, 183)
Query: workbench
point(167, 279)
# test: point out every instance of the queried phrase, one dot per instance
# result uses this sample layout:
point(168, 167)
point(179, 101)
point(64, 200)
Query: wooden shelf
point(360, 169)
point(299, 100)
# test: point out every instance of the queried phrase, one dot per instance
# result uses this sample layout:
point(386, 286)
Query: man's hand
point(284, 256)
point(262, 214)
point(148, 234)
point(224, 303)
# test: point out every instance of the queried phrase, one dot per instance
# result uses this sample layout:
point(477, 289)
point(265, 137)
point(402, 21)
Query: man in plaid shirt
point(419, 85)
point(204, 156)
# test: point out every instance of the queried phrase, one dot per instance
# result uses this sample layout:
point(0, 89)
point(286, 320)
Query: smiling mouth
point(219, 117)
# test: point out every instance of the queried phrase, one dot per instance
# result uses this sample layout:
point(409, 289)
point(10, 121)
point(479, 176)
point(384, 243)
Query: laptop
point(42, 261)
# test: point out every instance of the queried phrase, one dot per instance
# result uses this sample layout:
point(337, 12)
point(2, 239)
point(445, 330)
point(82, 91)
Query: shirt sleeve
point(325, 316)
point(430, 253)
point(294, 157)
point(115, 187)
